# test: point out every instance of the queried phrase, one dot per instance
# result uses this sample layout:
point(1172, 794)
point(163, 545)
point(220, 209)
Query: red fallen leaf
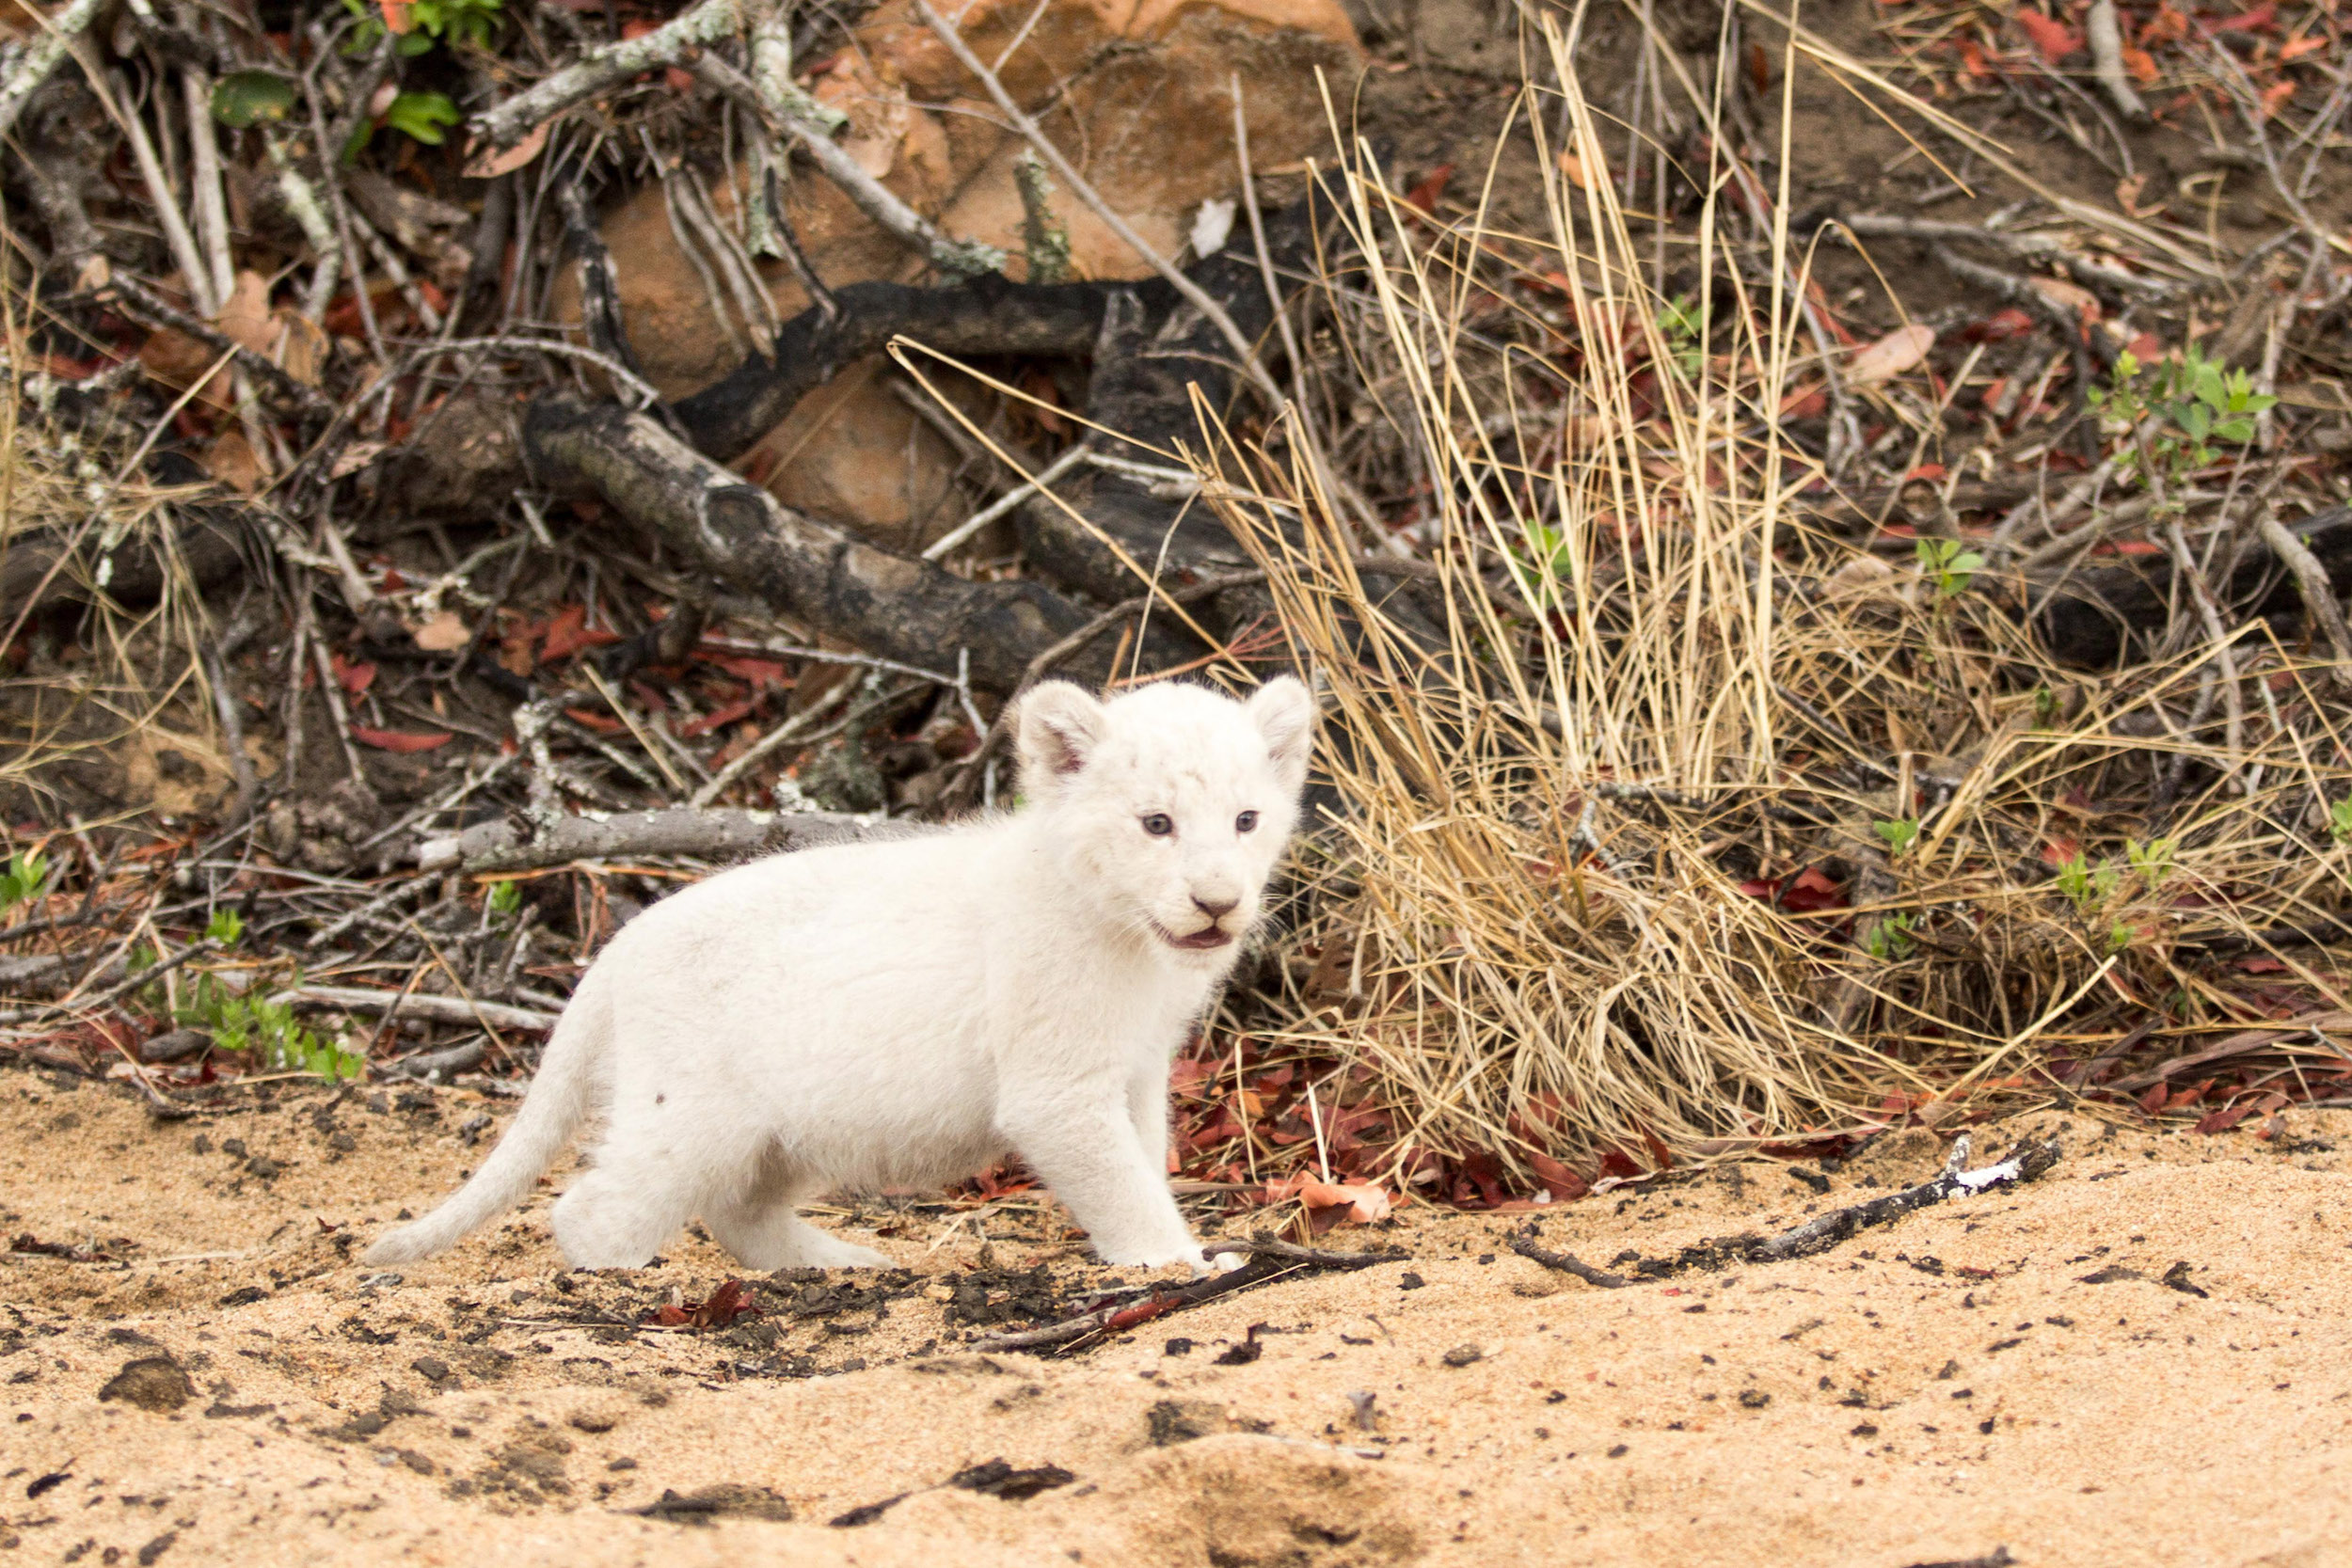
point(353, 678)
point(1806, 402)
point(2259, 963)
point(1616, 1162)
point(1426, 195)
point(1366, 1203)
point(2153, 1099)
point(603, 723)
point(1557, 1180)
point(2132, 547)
point(400, 740)
point(2275, 96)
point(1188, 1074)
point(1812, 890)
point(759, 672)
point(2055, 38)
point(1926, 471)
point(718, 717)
point(2222, 1121)
point(1973, 62)
point(568, 633)
point(2057, 852)
point(2261, 19)
point(2295, 48)
point(2142, 65)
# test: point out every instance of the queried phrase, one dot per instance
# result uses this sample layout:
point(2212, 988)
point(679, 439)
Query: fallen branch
point(1272, 1259)
point(129, 983)
point(42, 55)
point(143, 304)
point(2106, 61)
point(431, 1009)
point(722, 524)
point(438, 1066)
point(985, 315)
point(713, 833)
point(1566, 1263)
point(505, 125)
point(2311, 580)
point(2025, 1162)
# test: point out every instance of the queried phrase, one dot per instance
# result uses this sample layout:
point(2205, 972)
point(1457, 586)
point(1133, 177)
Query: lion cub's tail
point(559, 1099)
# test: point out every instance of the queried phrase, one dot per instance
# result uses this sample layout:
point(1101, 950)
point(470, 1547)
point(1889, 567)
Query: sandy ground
point(1928, 1393)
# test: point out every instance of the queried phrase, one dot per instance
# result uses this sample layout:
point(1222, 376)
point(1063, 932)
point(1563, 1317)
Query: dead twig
point(1272, 1259)
point(1567, 1263)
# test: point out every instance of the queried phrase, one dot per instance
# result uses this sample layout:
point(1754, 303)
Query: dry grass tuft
point(94, 690)
point(1651, 852)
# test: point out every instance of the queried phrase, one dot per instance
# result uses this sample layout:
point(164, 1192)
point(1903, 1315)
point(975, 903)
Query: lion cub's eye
point(1159, 825)
point(1246, 822)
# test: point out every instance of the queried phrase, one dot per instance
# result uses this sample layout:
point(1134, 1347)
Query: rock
point(1138, 95)
point(1462, 1356)
point(156, 1383)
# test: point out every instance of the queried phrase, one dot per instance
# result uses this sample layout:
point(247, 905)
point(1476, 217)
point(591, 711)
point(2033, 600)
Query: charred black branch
point(986, 315)
point(2099, 618)
point(731, 530)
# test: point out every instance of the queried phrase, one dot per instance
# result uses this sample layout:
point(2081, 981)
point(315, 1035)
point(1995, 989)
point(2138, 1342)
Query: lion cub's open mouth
point(1202, 940)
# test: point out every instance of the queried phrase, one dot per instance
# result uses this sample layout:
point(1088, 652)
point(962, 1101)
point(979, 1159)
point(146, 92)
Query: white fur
point(905, 1014)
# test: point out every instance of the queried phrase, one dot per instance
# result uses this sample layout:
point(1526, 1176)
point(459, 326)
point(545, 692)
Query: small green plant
point(505, 898)
point(2340, 820)
point(1892, 939)
point(2086, 887)
point(265, 1028)
point(2153, 859)
point(1680, 325)
point(2119, 937)
point(27, 878)
point(463, 23)
point(2194, 401)
point(1951, 566)
point(1542, 561)
point(1900, 834)
point(2045, 707)
point(423, 116)
point(227, 927)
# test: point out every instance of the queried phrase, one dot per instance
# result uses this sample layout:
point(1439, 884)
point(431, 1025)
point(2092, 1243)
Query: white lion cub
point(906, 1013)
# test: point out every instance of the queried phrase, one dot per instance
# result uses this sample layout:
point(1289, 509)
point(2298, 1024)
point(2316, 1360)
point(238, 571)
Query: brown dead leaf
point(2070, 297)
point(1899, 351)
point(177, 360)
point(1573, 167)
point(246, 317)
point(302, 346)
point(229, 459)
point(443, 632)
point(490, 163)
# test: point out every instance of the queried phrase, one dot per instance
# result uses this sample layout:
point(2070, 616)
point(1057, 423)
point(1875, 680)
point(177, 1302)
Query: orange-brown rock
point(1137, 94)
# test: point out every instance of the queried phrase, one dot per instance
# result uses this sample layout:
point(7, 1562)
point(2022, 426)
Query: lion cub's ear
point(1060, 725)
point(1284, 712)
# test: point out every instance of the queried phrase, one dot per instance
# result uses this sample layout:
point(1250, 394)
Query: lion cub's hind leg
point(618, 1216)
point(760, 1224)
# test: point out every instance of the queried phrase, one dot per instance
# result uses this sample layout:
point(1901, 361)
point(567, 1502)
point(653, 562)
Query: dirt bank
point(2006, 1371)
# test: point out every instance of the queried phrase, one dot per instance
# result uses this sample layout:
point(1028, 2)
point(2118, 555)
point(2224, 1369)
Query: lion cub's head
point(1172, 801)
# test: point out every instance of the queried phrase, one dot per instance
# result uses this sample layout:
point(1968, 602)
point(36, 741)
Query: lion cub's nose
point(1216, 909)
